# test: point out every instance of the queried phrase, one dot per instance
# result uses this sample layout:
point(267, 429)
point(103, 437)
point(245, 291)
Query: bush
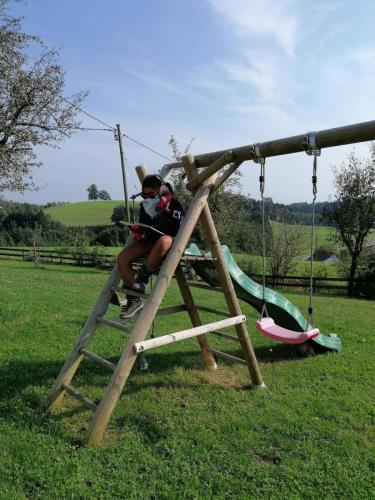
point(366, 276)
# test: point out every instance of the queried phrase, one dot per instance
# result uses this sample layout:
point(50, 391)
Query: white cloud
point(364, 56)
point(262, 18)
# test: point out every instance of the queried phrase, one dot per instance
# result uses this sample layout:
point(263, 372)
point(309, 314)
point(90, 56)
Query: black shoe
point(139, 287)
point(115, 300)
point(133, 306)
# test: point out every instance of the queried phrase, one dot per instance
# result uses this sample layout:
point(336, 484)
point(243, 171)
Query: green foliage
point(366, 275)
point(354, 211)
point(180, 431)
point(18, 226)
point(104, 195)
point(33, 111)
point(120, 215)
point(92, 192)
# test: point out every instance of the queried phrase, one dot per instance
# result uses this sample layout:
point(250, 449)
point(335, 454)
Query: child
point(163, 212)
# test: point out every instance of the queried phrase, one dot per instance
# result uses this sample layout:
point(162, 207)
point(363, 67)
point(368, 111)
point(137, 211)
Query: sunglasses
point(150, 195)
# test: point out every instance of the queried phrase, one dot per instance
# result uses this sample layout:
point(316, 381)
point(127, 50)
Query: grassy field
point(179, 431)
point(84, 213)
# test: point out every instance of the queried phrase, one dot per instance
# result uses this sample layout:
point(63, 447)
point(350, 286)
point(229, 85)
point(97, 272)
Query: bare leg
point(127, 256)
point(159, 250)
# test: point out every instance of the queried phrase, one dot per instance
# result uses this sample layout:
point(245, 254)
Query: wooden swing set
point(202, 183)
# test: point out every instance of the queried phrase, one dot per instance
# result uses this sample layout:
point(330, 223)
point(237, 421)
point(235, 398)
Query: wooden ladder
point(137, 343)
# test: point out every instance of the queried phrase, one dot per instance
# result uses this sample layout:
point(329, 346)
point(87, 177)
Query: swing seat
point(268, 327)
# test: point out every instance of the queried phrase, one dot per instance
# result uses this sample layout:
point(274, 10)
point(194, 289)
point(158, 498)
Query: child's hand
point(137, 232)
point(165, 200)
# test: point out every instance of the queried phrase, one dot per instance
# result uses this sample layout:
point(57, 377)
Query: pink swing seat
point(268, 327)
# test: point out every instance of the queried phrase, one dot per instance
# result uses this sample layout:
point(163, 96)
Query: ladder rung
point(219, 333)
point(196, 284)
point(170, 338)
point(171, 309)
point(80, 397)
point(98, 359)
point(113, 323)
point(221, 354)
point(129, 292)
point(214, 311)
point(187, 258)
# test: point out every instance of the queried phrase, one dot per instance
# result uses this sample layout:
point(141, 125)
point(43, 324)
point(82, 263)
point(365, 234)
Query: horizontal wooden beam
point(171, 309)
point(204, 286)
point(113, 323)
point(127, 291)
point(225, 355)
point(98, 359)
point(187, 334)
point(339, 136)
point(224, 335)
point(79, 397)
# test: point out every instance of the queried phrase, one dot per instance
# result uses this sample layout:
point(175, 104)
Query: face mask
point(150, 206)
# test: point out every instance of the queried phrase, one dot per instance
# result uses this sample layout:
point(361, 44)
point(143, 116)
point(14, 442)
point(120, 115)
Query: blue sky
point(226, 72)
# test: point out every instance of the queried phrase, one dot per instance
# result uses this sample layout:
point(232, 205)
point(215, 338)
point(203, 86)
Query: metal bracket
point(310, 144)
point(255, 153)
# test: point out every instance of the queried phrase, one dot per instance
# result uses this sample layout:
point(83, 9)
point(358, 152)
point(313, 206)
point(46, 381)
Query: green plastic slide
point(279, 308)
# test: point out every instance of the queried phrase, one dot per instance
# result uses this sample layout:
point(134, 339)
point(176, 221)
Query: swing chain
point(312, 150)
point(262, 178)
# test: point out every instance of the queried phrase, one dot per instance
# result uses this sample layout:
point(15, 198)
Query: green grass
point(179, 431)
point(84, 213)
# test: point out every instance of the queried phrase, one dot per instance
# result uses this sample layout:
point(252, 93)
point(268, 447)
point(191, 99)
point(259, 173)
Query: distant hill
point(84, 213)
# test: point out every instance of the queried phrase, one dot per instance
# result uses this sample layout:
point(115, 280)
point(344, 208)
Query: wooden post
point(210, 170)
point(194, 317)
point(123, 170)
point(225, 176)
point(68, 370)
point(225, 280)
point(141, 172)
point(144, 321)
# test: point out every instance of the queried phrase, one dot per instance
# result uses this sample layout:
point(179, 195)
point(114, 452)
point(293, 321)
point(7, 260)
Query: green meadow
point(84, 213)
point(178, 430)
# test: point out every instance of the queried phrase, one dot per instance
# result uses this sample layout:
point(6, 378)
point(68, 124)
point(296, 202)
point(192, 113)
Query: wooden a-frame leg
point(144, 321)
point(225, 280)
point(194, 317)
point(70, 367)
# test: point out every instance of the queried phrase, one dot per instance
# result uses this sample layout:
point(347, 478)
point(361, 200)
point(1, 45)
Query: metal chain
point(312, 150)
point(262, 179)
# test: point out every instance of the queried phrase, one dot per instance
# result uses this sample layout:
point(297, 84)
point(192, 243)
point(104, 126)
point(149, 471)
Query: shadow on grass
point(24, 387)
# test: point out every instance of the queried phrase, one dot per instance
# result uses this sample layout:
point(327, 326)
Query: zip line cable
point(114, 130)
point(87, 114)
point(146, 147)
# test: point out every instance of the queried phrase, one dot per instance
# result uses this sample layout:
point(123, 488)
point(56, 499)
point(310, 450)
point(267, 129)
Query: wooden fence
point(106, 261)
point(59, 257)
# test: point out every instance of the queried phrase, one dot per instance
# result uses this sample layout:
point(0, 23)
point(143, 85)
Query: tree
point(33, 109)
point(93, 192)
point(283, 244)
point(104, 195)
point(119, 214)
point(353, 214)
point(228, 207)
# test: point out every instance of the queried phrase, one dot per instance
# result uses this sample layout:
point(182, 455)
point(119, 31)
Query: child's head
point(151, 186)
